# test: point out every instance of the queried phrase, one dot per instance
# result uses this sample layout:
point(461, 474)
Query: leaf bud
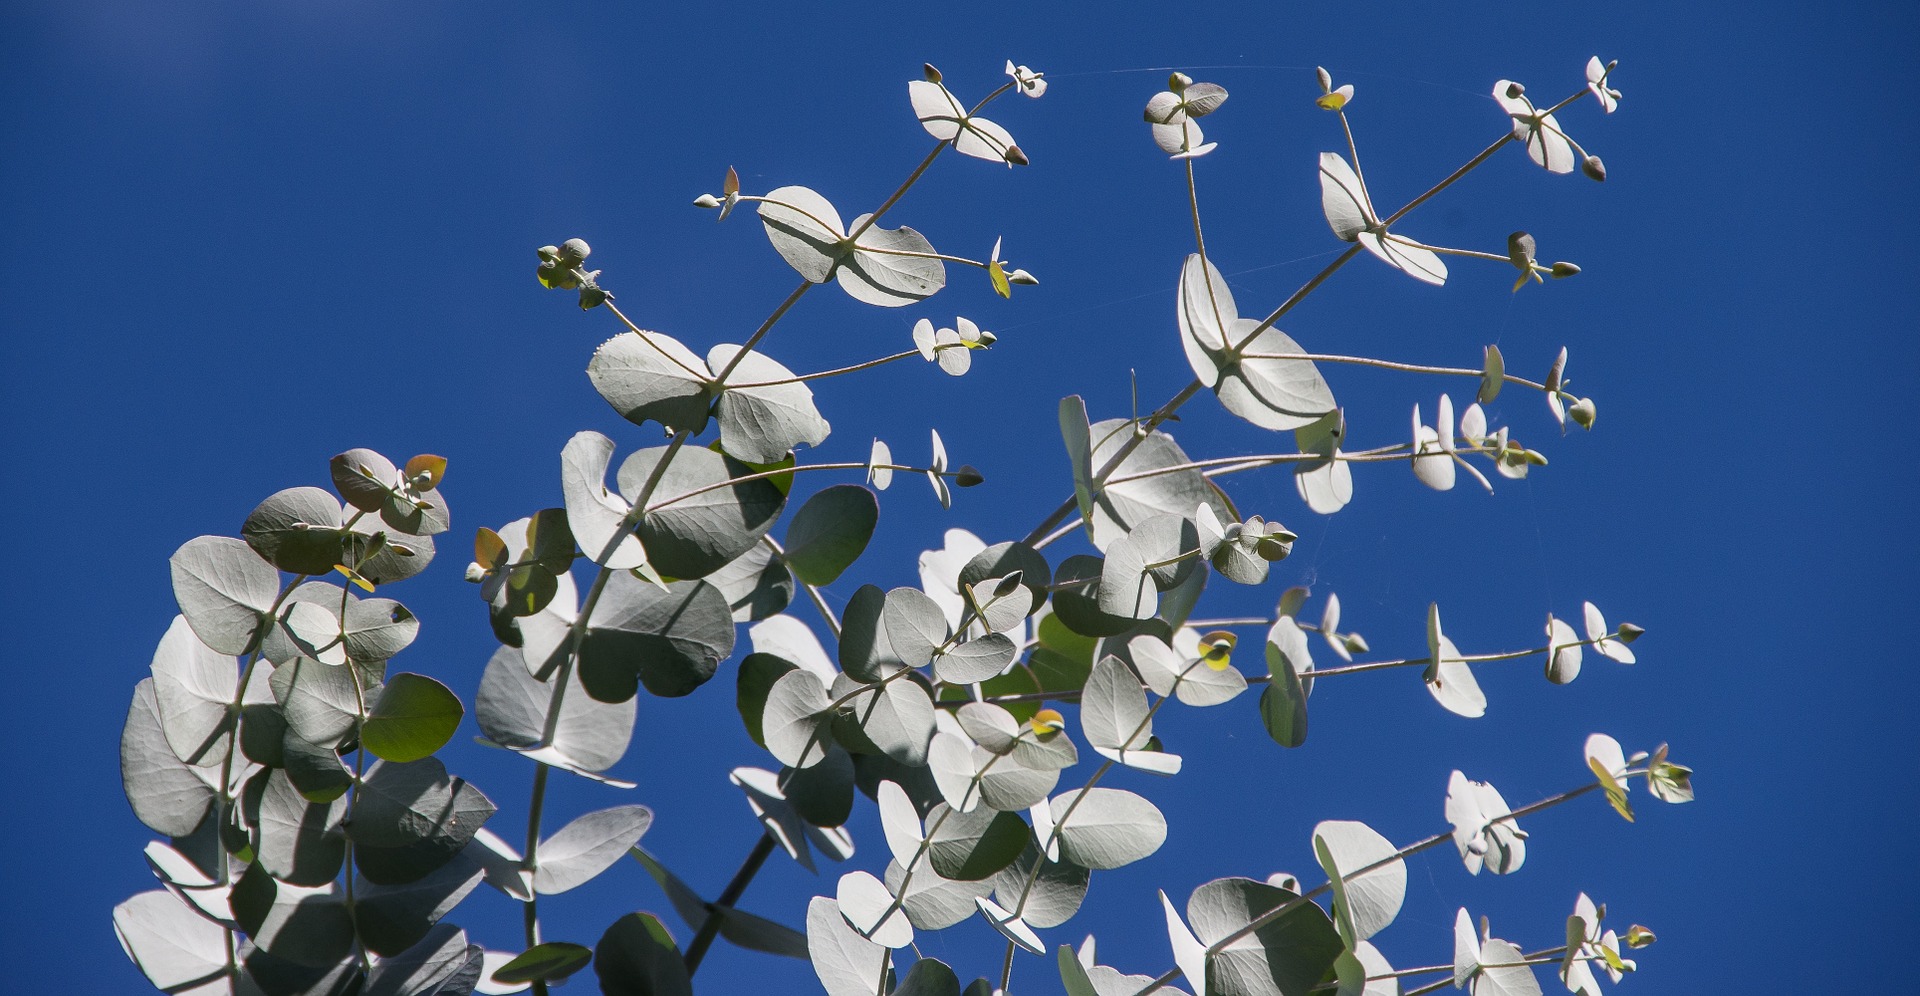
point(1023, 277)
point(573, 252)
point(1275, 545)
point(1629, 632)
point(1582, 413)
point(591, 296)
point(932, 74)
point(1594, 168)
point(1356, 644)
point(476, 574)
point(1326, 79)
point(1179, 82)
point(1515, 90)
point(707, 201)
point(1564, 270)
point(1015, 156)
point(548, 253)
point(1639, 937)
point(967, 476)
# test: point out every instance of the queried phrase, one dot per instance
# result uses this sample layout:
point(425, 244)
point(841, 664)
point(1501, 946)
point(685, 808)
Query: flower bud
point(1594, 168)
point(573, 252)
point(1564, 270)
point(1629, 632)
point(967, 476)
point(706, 201)
point(932, 74)
point(1515, 90)
point(1015, 156)
point(1582, 413)
point(1639, 937)
point(548, 253)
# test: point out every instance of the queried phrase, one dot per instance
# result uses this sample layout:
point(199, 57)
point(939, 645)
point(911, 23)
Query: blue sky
point(244, 237)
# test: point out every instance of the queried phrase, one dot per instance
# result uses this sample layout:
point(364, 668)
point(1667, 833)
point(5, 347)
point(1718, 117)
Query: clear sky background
point(244, 237)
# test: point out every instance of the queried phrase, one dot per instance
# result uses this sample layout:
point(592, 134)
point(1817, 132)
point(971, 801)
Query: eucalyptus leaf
point(1288, 956)
point(764, 412)
point(167, 793)
point(1364, 901)
point(1004, 559)
point(1077, 598)
point(1122, 505)
point(890, 267)
point(652, 378)
point(914, 626)
point(796, 710)
point(413, 717)
point(929, 977)
point(898, 717)
point(1325, 484)
point(596, 515)
point(171, 943)
point(976, 660)
point(193, 686)
point(392, 918)
point(440, 964)
point(869, 908)
point(972, 846)
point(866, 654)
point(225, 591)
point(672, 639)
point(830, 531)
point(1452, 683)
point(588, 735)
point(691, 537)
point(932, 902)
point(846, 963)
point(300, 843)
point(587, 846)
point(823, 794)
point(297, 530)
point(1104, 828)
point(805, 230)
point(1271, 393)
point(402, 804)
point(308, 927)
point(1056, 892)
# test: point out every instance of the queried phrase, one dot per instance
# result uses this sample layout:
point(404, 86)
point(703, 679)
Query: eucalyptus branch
point(1368, 361)
point(801, 378)
point(1403, 853)
point(736, 887)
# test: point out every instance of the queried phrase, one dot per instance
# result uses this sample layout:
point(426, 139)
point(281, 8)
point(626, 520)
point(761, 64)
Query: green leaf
point(758, 674)
point(414, 717)
point(637, 957)
point(830, 531)
point(1289, 956)
point(549, 962)
point(297, 530)
point(971, 846)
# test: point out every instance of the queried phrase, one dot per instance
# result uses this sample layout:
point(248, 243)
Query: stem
point(359, 760)
point(647, 338)
point(761, 332)
point(801, 378)
point(764, 474)
point(1367, 361)
point(710, 927)
point(1545, 956)
point(1450, 179)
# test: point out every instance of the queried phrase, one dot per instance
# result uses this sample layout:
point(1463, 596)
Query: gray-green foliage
point(316, 843)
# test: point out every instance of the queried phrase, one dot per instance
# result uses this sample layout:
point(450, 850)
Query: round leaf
point(414, 716)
